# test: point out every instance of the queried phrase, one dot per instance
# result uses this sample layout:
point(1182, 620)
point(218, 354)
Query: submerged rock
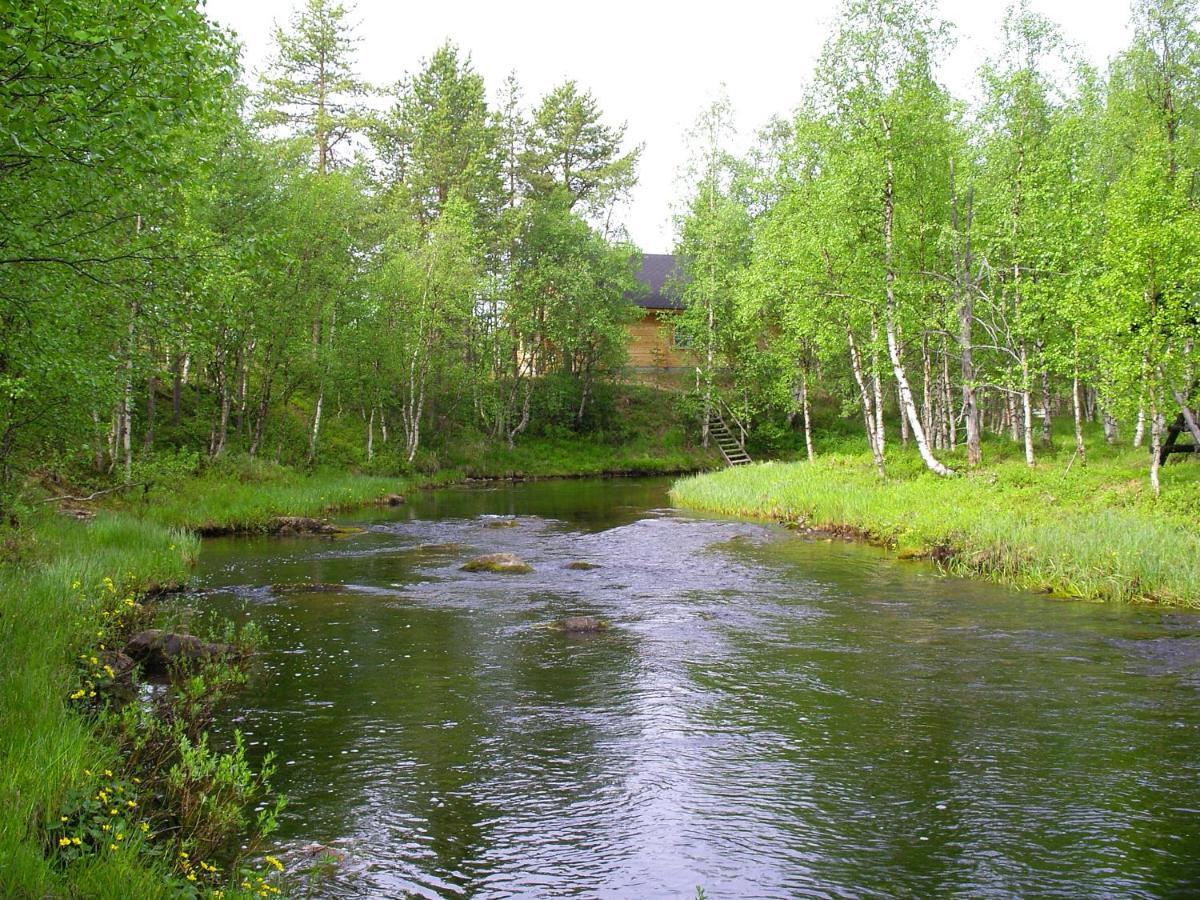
point(448, 548)
point(581, 566)
point(500, 523)
point(307, 587)
point(508, 563)
point(307, 525)
point(580, 625)
point(392, 500)
point(158, 651)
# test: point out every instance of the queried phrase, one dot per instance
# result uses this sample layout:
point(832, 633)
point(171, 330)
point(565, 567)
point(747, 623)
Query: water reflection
point(769, 716)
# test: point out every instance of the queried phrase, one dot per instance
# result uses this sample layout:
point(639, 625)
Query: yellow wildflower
point(64, 842)
point(76, 841)
point(112, 846)
point(191, 876)
point(274, 862)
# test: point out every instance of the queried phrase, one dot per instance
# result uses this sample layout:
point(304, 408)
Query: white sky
point(652, 64)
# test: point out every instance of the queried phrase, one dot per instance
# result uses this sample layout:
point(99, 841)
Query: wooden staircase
point(731, 449)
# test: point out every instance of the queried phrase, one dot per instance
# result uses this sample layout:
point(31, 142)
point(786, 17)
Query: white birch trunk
point(906, 397)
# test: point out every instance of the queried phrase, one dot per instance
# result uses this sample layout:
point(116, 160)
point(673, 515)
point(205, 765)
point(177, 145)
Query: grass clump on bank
point(51, 602)
point(1094, 532)
point(102, 792)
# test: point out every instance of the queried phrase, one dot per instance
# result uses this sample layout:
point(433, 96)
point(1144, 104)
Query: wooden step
point(731, 448)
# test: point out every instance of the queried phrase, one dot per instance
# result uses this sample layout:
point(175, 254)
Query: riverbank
point(1092, 532)
point(58, 584)
point(244, 495)
point(53, 602)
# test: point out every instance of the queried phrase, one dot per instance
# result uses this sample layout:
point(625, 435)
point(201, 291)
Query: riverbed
point(769, 714)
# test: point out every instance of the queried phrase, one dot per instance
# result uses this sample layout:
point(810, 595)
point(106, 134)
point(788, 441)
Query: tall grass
point(219, 501)
point(570, 456)
point(46, 613)
point(1093, 532)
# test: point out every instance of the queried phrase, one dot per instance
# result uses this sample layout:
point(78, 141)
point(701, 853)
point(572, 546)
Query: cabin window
point(680, 339)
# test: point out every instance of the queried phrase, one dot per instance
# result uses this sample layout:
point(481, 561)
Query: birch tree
point(875, 77)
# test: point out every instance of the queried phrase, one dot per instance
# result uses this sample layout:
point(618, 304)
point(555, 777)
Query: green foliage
point(310, 89)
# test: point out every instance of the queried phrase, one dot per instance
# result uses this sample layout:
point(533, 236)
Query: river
point(770, 715)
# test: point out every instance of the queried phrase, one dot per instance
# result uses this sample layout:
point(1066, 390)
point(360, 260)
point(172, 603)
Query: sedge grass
point(48, 609)
point(1093, 532)
point(216, 501)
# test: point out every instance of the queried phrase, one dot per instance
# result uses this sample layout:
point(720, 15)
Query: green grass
point(1095, 532)
point(219, 500)
point(45, 746)
point(549, 457)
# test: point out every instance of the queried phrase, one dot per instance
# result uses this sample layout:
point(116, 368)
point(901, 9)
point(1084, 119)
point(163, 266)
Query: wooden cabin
point(657, 352)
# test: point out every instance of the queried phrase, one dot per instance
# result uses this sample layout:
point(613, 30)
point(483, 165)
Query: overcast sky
point(652, 64)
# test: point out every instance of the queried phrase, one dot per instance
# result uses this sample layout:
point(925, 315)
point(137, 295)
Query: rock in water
point(307, 587)
point(580, 625)
point(158, 650)
point(508, 563)
point(286, 525)
point(581, 566)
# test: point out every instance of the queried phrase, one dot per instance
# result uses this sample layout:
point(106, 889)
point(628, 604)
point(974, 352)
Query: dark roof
point(657, 277)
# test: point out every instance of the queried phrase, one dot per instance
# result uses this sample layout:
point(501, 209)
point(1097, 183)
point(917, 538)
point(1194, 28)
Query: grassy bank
point(246, 496)
point(1094, 532)
point(52, 601)
point(219, 500)
point(548, 457)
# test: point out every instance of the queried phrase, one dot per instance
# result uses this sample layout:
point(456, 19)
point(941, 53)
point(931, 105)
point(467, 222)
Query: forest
point(197, 262)
point(192, 267)
point(960, 269)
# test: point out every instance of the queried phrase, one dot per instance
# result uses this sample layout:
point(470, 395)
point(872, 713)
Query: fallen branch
point(1074, 457)
point(95, 494)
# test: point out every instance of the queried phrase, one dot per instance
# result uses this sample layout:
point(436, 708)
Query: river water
point(769, 715)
